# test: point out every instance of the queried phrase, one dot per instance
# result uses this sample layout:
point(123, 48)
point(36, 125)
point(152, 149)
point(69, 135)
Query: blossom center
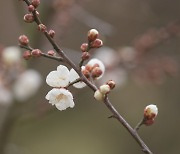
point(60, 97)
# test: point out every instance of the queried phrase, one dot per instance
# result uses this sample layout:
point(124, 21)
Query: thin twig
point(59, 59)
point(139, 125)
point(25, 47)
point(133, 133)
point(75, 81)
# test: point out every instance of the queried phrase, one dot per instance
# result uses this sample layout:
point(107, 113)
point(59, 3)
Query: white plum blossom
point(74, 76)
point(127, 54)
point(95, 61)
point(11, 55)
point(6, 97)
point(61, 98)
point(59, 78)
point(107, 55)
point(27, 85)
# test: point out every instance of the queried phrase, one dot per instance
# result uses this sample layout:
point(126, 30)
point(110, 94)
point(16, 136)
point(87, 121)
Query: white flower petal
point(73, 76)
point(107, 55)
point(11, 55)
point(27, 85)
point(61, 98)
point(59, 78)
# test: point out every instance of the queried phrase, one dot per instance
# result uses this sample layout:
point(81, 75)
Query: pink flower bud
point(35, 3)
point(111, 84)
point(96, 72)
point(31, 8)
point(97, 43)
point(84, 47)
point(86, 73)
point(51, 53)
point(51, 33)
point(85, 55)
point(27, 55)
point(23, 40)
point(88, 67)
point(92, 35)
point(29, 18)
point(36, 53)
point(41, 27)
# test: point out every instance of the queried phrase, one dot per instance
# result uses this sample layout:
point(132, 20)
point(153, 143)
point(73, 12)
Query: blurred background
point(141, 53)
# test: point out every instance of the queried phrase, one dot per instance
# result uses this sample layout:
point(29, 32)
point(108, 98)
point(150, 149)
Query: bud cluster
point(93, 42)
point(94, 71)
point(104, 90)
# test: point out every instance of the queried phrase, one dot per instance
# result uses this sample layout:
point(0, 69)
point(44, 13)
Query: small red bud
point(36, 53)
point(27, 55)
point(86, 73)
point(51, 53)
point(31, 8)
point(97, 43)
point(88, 68)
point(84, 47)
point(96, 72)
point(51, 33)
point(23, 40)
point(29, 18)
point(92, 35)
point(111, 84)
point(85, 55)
point(41, 27)
point(35, 3)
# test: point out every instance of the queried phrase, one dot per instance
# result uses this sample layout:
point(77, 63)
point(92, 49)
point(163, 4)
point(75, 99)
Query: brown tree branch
point(59, 59)
point(133, 133)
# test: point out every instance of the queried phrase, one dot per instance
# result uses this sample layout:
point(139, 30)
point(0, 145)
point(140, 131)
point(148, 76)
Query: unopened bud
point(51, 53)
point(151, 111)
point(84, 47)
point(92, 35)
point(36, 53)
point(31, 8)
point(27, 55)
point(23, 40)
point(35, 3)
point(97, 43)
point(104, 89)
point(98, 95)
point(51, 33)
point(88, 67)
point(86, 73)
point(111, 84)
point(41, 27)
point(29, 18)
point(85, 55)
point(96, 72)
